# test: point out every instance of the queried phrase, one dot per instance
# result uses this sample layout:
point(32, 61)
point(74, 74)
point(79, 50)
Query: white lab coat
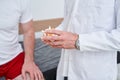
point(98, 24)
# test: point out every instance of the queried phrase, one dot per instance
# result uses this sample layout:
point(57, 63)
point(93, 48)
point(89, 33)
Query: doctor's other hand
point(60, 39)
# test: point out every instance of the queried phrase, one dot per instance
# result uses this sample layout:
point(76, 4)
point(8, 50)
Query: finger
point(51, 38)
point(46, 38)
point(41, 75)
point(36, 76)
point(47, 42)
point(32, 76)
point(57, 46)
point(53, 31)
point(53, 43)
point(23, 75)
point(57, 43)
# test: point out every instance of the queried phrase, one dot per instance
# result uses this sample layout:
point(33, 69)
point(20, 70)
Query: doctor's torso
point(83, 17)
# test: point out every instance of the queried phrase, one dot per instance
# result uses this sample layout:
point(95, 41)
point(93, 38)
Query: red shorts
point(13, 68)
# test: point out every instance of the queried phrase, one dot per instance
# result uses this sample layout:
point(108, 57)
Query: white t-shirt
point(12, 12)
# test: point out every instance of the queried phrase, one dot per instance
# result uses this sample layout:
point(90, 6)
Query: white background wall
point(47, 9)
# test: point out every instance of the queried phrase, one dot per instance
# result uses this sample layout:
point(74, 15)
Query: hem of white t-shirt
point(4, 62)
point(27, 20)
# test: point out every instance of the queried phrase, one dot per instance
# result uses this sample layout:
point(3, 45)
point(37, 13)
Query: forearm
point(29, 40)
point(100, 41)
point(103, 40)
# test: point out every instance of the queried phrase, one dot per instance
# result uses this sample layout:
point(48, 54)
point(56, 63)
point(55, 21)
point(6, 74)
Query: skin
point(29, 70)
point(60, 39)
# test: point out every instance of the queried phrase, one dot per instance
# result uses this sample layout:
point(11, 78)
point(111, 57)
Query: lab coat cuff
point(84, 42)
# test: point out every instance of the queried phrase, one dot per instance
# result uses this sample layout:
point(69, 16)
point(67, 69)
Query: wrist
point(28, 58)
point(77, 45)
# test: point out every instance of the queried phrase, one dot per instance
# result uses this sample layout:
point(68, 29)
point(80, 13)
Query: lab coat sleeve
point(102, 40)
point(60, 27)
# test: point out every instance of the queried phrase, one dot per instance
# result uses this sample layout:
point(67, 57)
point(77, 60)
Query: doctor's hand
point(60, 39)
